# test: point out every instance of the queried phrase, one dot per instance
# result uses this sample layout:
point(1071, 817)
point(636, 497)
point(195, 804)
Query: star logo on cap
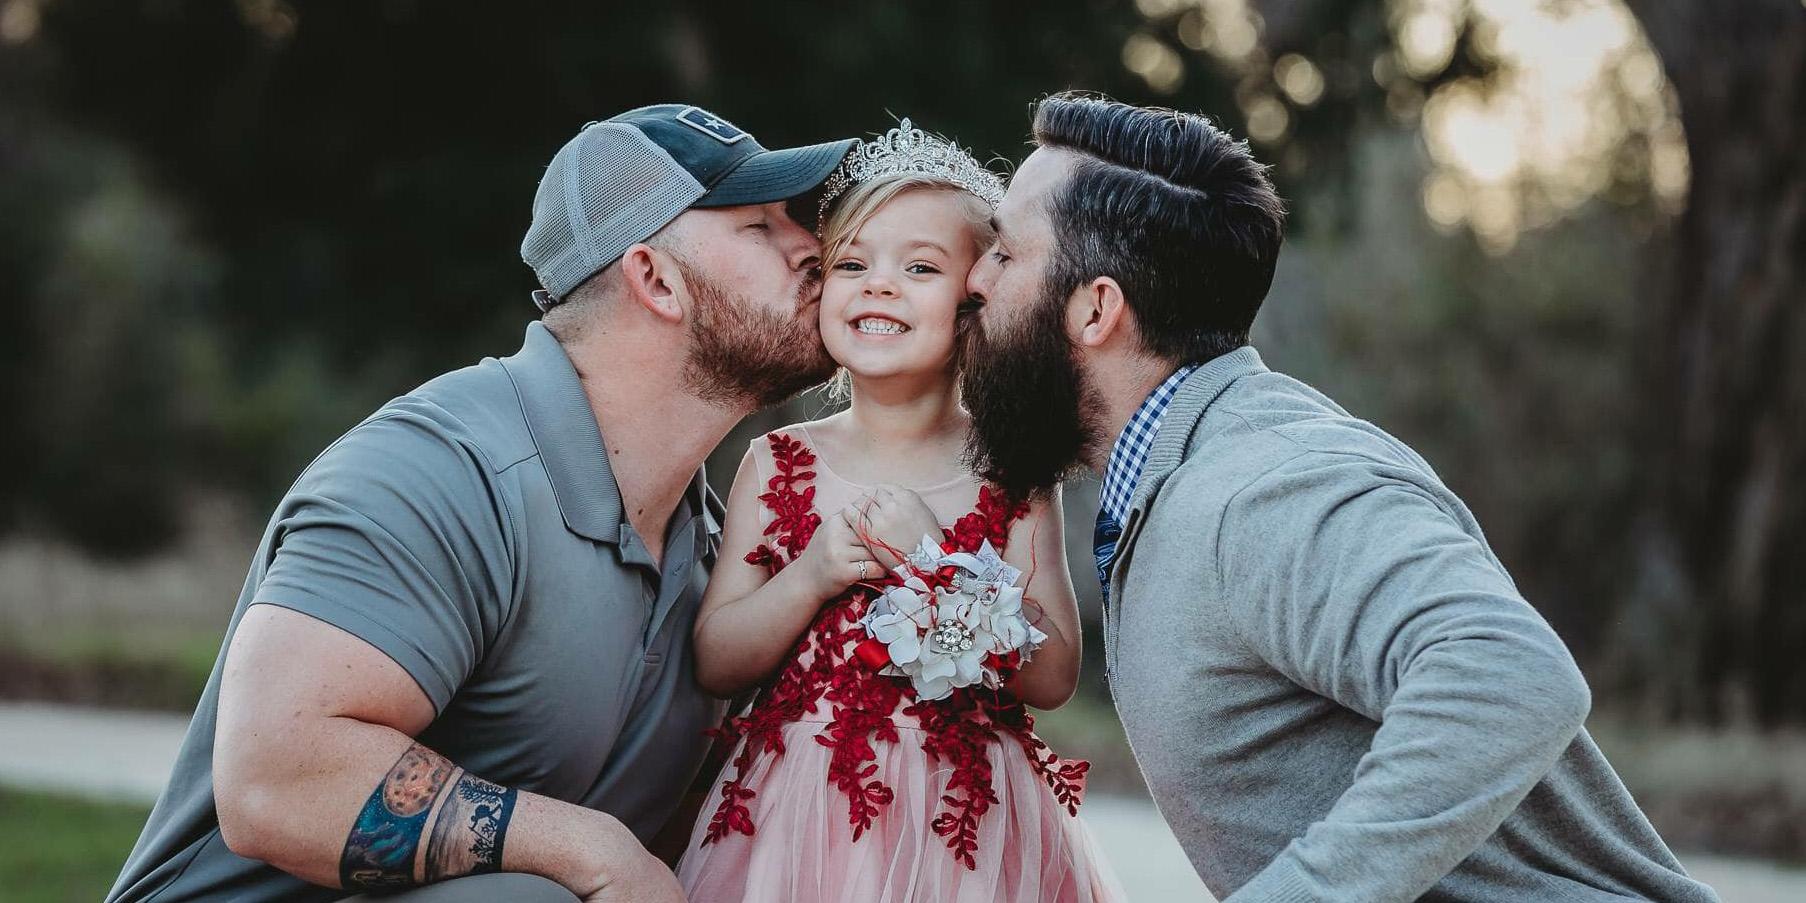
point(711, 125)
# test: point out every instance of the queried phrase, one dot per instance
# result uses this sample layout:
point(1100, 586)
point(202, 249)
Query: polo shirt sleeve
point(397, 535)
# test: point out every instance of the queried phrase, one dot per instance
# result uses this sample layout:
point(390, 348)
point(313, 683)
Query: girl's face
point(888, 301)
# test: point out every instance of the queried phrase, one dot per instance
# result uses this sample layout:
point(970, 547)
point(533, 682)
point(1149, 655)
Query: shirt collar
point(1130, 452)
point(563, 427)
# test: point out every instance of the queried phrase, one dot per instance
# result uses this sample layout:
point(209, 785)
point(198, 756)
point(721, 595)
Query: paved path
point(127, 755)
point(92, 752)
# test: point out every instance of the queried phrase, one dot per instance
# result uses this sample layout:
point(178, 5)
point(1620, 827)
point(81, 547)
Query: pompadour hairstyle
point(1175, 210)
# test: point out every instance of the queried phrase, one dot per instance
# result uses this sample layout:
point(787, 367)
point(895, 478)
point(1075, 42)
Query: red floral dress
point(954, 759)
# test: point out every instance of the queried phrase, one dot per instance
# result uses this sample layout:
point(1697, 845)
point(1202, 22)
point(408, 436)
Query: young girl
point(849, 782)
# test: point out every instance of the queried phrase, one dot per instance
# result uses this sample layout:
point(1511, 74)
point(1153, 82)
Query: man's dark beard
point(741, 353)
point(1028, 400)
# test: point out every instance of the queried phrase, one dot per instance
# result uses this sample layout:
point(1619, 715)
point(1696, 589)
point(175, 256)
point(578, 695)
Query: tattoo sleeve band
point(469, 830)
point(380, 850)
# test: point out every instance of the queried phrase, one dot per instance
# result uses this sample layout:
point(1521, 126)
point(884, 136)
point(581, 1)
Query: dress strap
point(990, 520)
point(790, 498)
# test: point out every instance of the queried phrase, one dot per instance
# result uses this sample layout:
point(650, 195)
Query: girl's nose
point(880, 286)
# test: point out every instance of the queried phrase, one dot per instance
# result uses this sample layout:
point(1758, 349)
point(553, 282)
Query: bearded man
point(461, 658)
point(1330, 682)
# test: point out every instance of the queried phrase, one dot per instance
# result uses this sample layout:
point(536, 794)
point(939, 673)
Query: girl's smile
point(889, 297)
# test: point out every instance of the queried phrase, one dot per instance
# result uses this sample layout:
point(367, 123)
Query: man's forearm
point(1365, 590)
point(425, 820)
point(316, 772)
point(1474, 727)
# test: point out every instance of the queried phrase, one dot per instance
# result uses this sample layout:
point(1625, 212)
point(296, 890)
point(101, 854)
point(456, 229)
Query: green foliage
point(233, 229)
point(230, 230)
point(56, 849)
point(144, 668)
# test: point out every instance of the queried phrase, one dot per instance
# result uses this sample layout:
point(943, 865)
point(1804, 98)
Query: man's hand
point(892, 521)
point(615, 868)
point(647, 881)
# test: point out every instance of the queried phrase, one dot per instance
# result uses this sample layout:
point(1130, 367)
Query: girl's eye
point(849, 266)
point(921, 269)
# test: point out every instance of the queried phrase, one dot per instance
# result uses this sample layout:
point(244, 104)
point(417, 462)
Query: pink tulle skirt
point(802, 848)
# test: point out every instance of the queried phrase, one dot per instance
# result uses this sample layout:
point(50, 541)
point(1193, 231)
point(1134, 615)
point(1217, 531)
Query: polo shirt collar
point(564, 430)
point(563, 427)
point(705, 504)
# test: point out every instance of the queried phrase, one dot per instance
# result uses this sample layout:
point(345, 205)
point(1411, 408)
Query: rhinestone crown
point(909, 150)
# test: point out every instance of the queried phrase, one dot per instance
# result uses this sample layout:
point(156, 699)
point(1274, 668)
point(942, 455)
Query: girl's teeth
point(880, 327)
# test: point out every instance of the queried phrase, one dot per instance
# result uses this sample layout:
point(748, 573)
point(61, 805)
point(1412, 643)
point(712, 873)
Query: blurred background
point(1558, 246)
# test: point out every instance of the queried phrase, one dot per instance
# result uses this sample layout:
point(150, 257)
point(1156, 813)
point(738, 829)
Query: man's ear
point(1097, 313)
point(653, 282)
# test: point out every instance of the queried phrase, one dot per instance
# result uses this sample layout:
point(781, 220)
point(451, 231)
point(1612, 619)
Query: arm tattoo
point(468, 826)
point(468, 834)
point(380, 849)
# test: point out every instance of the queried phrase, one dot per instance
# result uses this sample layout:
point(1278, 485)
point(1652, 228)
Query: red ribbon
point(872, 654)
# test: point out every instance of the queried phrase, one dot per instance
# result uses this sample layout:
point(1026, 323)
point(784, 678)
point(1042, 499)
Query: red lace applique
point(794, 519)
point(958, 729)
point(991, 520)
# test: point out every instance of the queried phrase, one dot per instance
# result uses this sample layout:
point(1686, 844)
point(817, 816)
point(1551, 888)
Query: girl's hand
point(835, 557)
point(892, 520)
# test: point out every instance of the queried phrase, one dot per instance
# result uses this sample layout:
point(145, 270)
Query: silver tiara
point(909, 150)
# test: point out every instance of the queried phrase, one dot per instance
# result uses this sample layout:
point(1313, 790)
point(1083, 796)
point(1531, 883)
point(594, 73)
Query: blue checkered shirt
point(1127, 458)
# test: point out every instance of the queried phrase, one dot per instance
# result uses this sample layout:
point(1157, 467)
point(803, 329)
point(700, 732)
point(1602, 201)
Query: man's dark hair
point(1173, 209)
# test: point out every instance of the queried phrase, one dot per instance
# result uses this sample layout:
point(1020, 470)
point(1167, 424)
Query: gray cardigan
point(1332, 686)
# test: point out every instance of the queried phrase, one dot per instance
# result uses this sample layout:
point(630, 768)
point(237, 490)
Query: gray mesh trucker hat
point(623, 179)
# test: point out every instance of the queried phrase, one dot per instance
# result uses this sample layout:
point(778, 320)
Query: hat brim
point(777, 175)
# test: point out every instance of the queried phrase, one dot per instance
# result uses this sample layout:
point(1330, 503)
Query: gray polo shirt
point(472, 531)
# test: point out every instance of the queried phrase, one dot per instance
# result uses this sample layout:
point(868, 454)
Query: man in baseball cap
point(461, 661)
point(622, 180)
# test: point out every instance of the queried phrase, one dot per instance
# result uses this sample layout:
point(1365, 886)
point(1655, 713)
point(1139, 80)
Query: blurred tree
point(1528, 111)
point(1727, 359)
point(328, 197)
point(229, 228)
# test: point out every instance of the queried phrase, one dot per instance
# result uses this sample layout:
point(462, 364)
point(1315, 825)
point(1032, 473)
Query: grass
point(56, 848)
point(147, 669)
point(1735, 791)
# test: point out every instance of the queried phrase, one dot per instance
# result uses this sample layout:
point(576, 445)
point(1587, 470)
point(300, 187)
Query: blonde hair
point(862, 202)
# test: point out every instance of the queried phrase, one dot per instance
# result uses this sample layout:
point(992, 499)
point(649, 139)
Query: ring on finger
point(863, 566)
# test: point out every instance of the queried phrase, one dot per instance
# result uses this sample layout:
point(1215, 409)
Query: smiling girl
point(854, 777)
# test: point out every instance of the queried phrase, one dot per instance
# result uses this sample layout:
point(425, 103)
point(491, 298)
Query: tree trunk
point(1727, 359)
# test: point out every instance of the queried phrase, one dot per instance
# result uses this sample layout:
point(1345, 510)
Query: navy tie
point(1103, 544)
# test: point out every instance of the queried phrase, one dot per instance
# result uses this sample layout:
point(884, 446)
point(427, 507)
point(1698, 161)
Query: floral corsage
point(956, 621)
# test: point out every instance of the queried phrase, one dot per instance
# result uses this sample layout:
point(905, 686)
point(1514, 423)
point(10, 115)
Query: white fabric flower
point(985, 565)
point(960, 663)
point(898, 619)
point(942, 638)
